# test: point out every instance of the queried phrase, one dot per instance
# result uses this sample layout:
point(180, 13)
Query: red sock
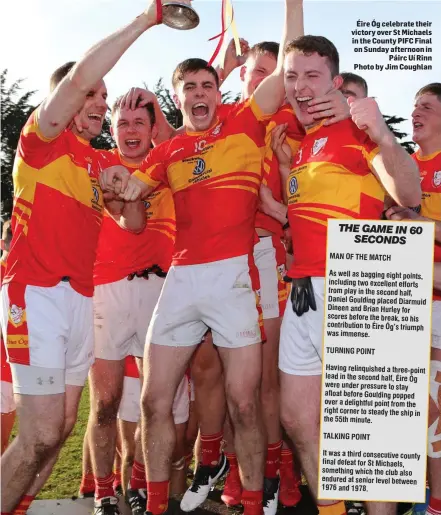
point(287, 461)
point(117, 478)
point(211, 448)
point(157, 497)
point(104, 486)
point(232, 459)
point(87, 484)
point(252, 502)
point(272, 464)
point(23, 506)
point(434, 507)
point(137, 479)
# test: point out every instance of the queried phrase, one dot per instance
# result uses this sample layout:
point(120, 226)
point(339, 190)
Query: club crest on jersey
point(281, 272)
point(96, 194)
point(319, 144)
point(16, 315)
point(200, 167)
point(293, 185)
point(437, 178)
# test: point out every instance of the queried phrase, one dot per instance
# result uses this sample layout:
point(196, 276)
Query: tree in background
point(392, 121)
point(16, 108)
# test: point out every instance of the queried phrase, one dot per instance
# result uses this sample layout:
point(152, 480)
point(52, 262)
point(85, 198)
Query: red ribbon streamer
point(158, 11)
point(221, 35)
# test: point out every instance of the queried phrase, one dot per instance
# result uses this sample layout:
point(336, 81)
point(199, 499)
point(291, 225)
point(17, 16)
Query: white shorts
point(301, 338)
point(122, 313)
point(217, 296)
point(7, 398)
point(436, 324)
point(130, 406)
point(270, 259)
point(49, 331)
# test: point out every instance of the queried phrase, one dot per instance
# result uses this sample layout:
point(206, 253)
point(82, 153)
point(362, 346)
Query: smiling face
point(307, 76)
point(93, 112)
point(133, 132)
point(197, 95)
point(255, 70)
point(426, 120)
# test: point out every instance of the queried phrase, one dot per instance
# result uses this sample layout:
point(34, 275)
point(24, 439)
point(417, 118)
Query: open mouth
point(417, 125)
point(303, 103)
point(95, 117)
point(200, 110)
point(133, 143)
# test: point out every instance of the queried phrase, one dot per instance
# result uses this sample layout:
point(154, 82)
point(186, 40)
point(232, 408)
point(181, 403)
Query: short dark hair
point(309, 45)
point(434, 88)
point(356, 79)
point(192, 66)
point(59, 74)
point(148, 107)
point(7, 234)
point(265, 47)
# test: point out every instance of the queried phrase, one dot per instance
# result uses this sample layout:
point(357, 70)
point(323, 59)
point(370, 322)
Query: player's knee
point(107, 411)
point(206, 374)
point(155, 406)
point(244, 407)
point(44, 443)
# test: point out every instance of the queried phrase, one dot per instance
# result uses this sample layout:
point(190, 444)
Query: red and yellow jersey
point(331, 178)
point(130, 367)
point(57, 210)
point(430, 173)
point(215, 178)
point(121, 252)
point(271, 175)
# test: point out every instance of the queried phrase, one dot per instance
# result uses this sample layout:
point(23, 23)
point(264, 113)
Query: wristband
point(286, 226)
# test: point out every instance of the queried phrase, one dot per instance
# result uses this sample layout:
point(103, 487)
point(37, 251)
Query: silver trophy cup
point(179, 15)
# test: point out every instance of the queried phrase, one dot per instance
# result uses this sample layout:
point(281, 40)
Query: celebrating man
point(47, 298)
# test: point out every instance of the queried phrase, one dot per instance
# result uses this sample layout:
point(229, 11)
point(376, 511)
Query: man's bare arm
point(270, 94)
point(270, 206)
point(398, 173)
point(402, 213)
point(393, 166)
point(128, 215)
point(58, 109)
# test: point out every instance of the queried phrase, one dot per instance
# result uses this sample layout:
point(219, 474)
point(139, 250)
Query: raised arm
point(393, 166)
point(270, 94)
point(59, 108)
point(231, 60)
point(139, 97)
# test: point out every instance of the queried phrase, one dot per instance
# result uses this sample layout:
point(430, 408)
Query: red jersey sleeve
point(34, 148)
point(153, 170)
